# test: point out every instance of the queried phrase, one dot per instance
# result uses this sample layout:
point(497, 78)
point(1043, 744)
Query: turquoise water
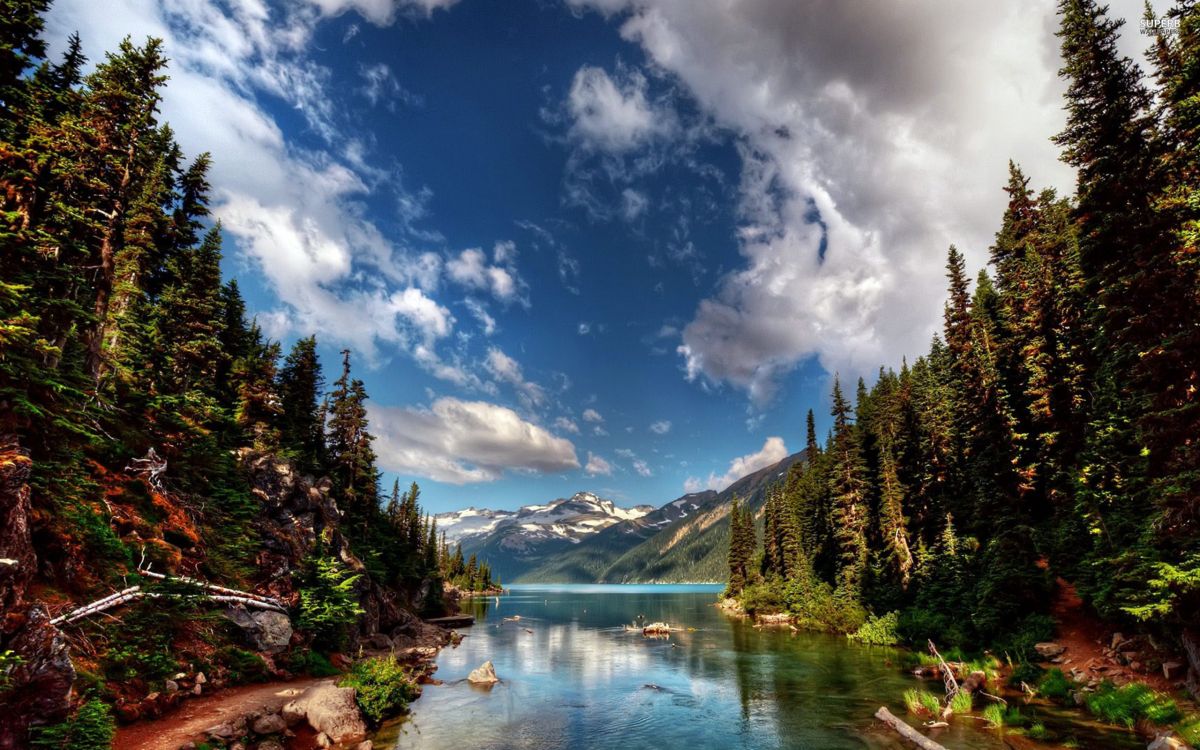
point(572, 677)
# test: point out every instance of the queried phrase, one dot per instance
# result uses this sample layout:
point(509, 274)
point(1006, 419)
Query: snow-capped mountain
point(512, 539)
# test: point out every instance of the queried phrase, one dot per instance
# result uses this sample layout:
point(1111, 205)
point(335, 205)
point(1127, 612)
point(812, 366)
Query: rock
point(171, 686)
point(322, 740)
point(331, 711)
point(226, 731)
point(292, 713)
point(377, 642)
point(1117, 639)
point(1049, 649)
point(40, 687)
point(269, 745)
point(198, 689)
point(237, 746)
point(263, 629)
point(1168, 741)
point(1173, 670)
point(977, 680)
point(188, 746)
point(269, 724)
point(484, 675)
point(201, 679)
point(365, 745)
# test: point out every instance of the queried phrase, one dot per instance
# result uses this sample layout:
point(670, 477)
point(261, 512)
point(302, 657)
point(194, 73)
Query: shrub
point(91, 728)
point(762, 598)
point(382, 687)
point(328, 601)
point(1038, 731)
point(312, 663)
point(879, 631)
point(1129, 703)
point(1026, 672)
point(8, 662)
point(1055, 685)
point(244, 666)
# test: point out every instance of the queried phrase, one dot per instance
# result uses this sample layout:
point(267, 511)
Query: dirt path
point(1087, 641)
point(192, 717)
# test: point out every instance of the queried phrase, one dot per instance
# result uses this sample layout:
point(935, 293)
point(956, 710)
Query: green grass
point(922, 702)
point(962, 702)
point(994, 715)
point(1055, 685)
point(1129, 703)
point(1038, 732)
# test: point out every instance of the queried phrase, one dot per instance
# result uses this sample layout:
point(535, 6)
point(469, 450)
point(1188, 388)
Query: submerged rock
point(484, 675)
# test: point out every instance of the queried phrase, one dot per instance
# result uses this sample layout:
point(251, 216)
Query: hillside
point(688, 548)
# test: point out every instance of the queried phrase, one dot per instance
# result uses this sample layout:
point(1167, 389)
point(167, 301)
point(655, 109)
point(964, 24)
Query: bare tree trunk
point(907, 732)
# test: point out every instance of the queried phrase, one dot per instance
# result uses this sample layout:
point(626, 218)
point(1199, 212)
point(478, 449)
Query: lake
point(572, 677)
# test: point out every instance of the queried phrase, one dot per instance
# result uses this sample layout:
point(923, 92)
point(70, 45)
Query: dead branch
point(151, 466)
point(213, 587)
point(907, 732)
point(948, 673)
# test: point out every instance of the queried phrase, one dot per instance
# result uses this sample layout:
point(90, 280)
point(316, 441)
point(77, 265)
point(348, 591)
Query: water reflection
point(572, 676)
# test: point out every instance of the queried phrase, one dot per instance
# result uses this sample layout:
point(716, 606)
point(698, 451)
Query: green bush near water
point(1055, 685)
point(879, 631)
point(383, 688)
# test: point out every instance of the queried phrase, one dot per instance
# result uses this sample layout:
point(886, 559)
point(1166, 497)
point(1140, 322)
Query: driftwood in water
point(905, 731)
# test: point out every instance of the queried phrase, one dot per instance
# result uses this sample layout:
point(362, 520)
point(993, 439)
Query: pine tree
point(301, 423)
point(848, 488)
point(351, 457)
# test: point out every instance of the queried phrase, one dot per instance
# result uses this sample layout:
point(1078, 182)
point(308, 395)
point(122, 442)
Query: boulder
point(292, 713)
point(484, 675)
point(263, 629)
point(377, 642)
point(269, 745)
point(171, 686)
point(40, 687)
point(1049, 649)
point(975, 681)
point(331, 710)
point(1168, 741)
point(269, 724)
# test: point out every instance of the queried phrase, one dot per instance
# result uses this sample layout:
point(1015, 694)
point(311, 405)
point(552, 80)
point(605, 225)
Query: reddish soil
point(191, 718)
point(1088, 642)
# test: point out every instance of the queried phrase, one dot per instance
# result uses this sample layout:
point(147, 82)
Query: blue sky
point(605, 245)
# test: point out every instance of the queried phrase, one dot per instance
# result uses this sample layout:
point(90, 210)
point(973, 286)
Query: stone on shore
point(331, 711)
point(1049, 649)
point(485, 675)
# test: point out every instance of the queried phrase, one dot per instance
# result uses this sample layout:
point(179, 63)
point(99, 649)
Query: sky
point(619, 246)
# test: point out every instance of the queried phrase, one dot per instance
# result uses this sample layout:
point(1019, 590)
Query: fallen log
point(905, 731)
point(212, 587)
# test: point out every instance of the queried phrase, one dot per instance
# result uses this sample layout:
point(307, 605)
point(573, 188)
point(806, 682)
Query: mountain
point(515, 541)
point(691, 546)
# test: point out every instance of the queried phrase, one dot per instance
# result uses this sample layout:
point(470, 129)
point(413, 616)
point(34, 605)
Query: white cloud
point(591, 415)
point(642, 468)
point(508, 370)
point(584, 329)
point(613, 115)
point(463, 442)
point(471, 269)
point(633, 203)
point(380, 86)
point(381, 12)
point(597, 466)
point(772, 452)
point(566, 425)
point(891, 124)
point(661, 427)
point(486, 321)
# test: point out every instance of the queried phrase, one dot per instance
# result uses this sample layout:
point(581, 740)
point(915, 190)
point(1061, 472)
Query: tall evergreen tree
point(848, 488)
point(301, 422)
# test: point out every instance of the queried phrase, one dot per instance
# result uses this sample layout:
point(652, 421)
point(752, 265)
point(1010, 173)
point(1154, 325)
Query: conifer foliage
point(1053, 428)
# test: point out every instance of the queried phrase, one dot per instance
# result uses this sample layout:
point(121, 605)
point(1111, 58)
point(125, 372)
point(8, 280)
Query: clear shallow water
point(578, 680)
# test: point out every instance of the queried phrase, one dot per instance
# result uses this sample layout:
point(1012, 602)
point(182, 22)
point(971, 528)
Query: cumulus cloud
point(597, 466)
point(613, 115)
point(506, 369)
point(464, 442)
point(661, 427)
point(566, 425)
point(772, 452)
point(640, 467)
point(871, 138)
point(591, 415)
point(471, 269)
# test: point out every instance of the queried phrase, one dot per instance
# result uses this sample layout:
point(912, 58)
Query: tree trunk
point(906, 731)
